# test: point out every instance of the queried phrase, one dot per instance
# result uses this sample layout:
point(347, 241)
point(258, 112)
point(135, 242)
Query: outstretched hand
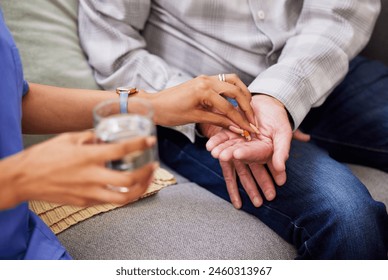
point(70, 169)
point(268, 148)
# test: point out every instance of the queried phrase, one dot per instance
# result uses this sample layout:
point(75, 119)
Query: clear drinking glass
point(112, 126)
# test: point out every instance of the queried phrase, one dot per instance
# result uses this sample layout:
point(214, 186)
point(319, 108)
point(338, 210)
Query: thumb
point(282, 143)
point(300, 136)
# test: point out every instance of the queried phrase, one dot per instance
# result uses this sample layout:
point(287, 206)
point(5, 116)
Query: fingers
point(75, 137)
point(264, 180)
point(99, 195)
point(223, 120)
point(234, 88)
point(282, 143)
point(216, 140)
point(127, 179)
point(232, 91)
point(255, 151)
point(112, 151)
point(246, 108)
point(226, 108)
point(135, 182)
point(224, 151)
point(300, 136)
point(248, 183)
point(85, 137)
point(229, 174)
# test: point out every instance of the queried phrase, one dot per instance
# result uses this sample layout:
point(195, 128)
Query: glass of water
point(111, 125)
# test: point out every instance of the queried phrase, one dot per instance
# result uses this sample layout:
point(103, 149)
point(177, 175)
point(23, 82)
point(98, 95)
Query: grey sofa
point(183, 221)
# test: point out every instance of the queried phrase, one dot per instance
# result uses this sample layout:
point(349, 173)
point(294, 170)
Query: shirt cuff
point(290, 89)
point(187, 130)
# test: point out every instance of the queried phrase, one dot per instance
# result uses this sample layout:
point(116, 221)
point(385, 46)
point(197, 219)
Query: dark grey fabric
point(378, 45)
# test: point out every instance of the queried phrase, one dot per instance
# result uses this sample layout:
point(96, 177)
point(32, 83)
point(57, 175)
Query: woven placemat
point(60, 217)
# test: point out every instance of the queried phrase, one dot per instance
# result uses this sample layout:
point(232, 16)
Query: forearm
point(48, 109)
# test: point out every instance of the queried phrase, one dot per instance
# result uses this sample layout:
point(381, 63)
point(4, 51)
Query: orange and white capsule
point(246, 135)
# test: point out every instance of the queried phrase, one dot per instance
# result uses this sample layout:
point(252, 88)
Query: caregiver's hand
point(70, 169)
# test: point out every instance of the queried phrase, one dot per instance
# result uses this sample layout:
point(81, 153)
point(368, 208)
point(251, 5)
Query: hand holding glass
point(111, 125)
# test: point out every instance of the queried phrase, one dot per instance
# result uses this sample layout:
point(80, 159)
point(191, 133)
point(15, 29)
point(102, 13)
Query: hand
point(201, 100)
point(271, 147)
point(274, 139)
point(68, 169)
point(244, 171)
point(300, 136)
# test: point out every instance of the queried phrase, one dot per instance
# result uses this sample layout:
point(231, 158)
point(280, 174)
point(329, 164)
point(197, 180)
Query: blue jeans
point(323, 209)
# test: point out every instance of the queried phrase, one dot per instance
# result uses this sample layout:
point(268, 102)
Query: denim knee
point(354, 226)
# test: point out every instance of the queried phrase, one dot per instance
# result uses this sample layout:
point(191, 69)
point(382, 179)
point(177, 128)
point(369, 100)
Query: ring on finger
point(221, 77)
point(117, 189)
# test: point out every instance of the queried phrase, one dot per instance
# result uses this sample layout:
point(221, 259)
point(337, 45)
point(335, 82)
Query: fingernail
point(255, 129)
point(257, 202)
point(270, 195)
point(236, 204)
point(280, 180)
point(236, 130)
point(151, 141)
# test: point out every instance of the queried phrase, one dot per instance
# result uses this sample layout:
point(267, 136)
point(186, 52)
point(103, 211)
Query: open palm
point(269, 148)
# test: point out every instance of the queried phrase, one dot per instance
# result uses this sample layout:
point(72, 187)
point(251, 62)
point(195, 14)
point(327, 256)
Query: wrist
point(260, 97)
point(11, 192)
point(155, 102)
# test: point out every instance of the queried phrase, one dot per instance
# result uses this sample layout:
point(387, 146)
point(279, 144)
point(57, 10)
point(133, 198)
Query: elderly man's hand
point(269, 147)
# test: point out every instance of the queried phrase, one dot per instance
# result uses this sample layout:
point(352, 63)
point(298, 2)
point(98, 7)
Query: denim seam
point(348, 144)
point(293, 224)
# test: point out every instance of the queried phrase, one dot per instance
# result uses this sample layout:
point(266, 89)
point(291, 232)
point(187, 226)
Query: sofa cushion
point(182, 222)
point(46, 33)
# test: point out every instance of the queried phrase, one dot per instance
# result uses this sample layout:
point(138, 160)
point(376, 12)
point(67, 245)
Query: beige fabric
point(60, 217)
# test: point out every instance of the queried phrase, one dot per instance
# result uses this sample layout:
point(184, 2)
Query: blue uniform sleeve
point(26, 87)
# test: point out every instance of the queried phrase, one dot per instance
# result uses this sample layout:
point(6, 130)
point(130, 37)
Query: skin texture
point(248, 159)
point(201, 100)
point(48, 109)
point(67, 169)
point(70, 168)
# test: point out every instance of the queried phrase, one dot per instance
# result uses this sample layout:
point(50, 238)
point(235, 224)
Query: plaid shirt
point(296, 51)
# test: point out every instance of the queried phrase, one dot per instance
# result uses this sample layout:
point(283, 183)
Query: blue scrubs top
point(23, 235)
